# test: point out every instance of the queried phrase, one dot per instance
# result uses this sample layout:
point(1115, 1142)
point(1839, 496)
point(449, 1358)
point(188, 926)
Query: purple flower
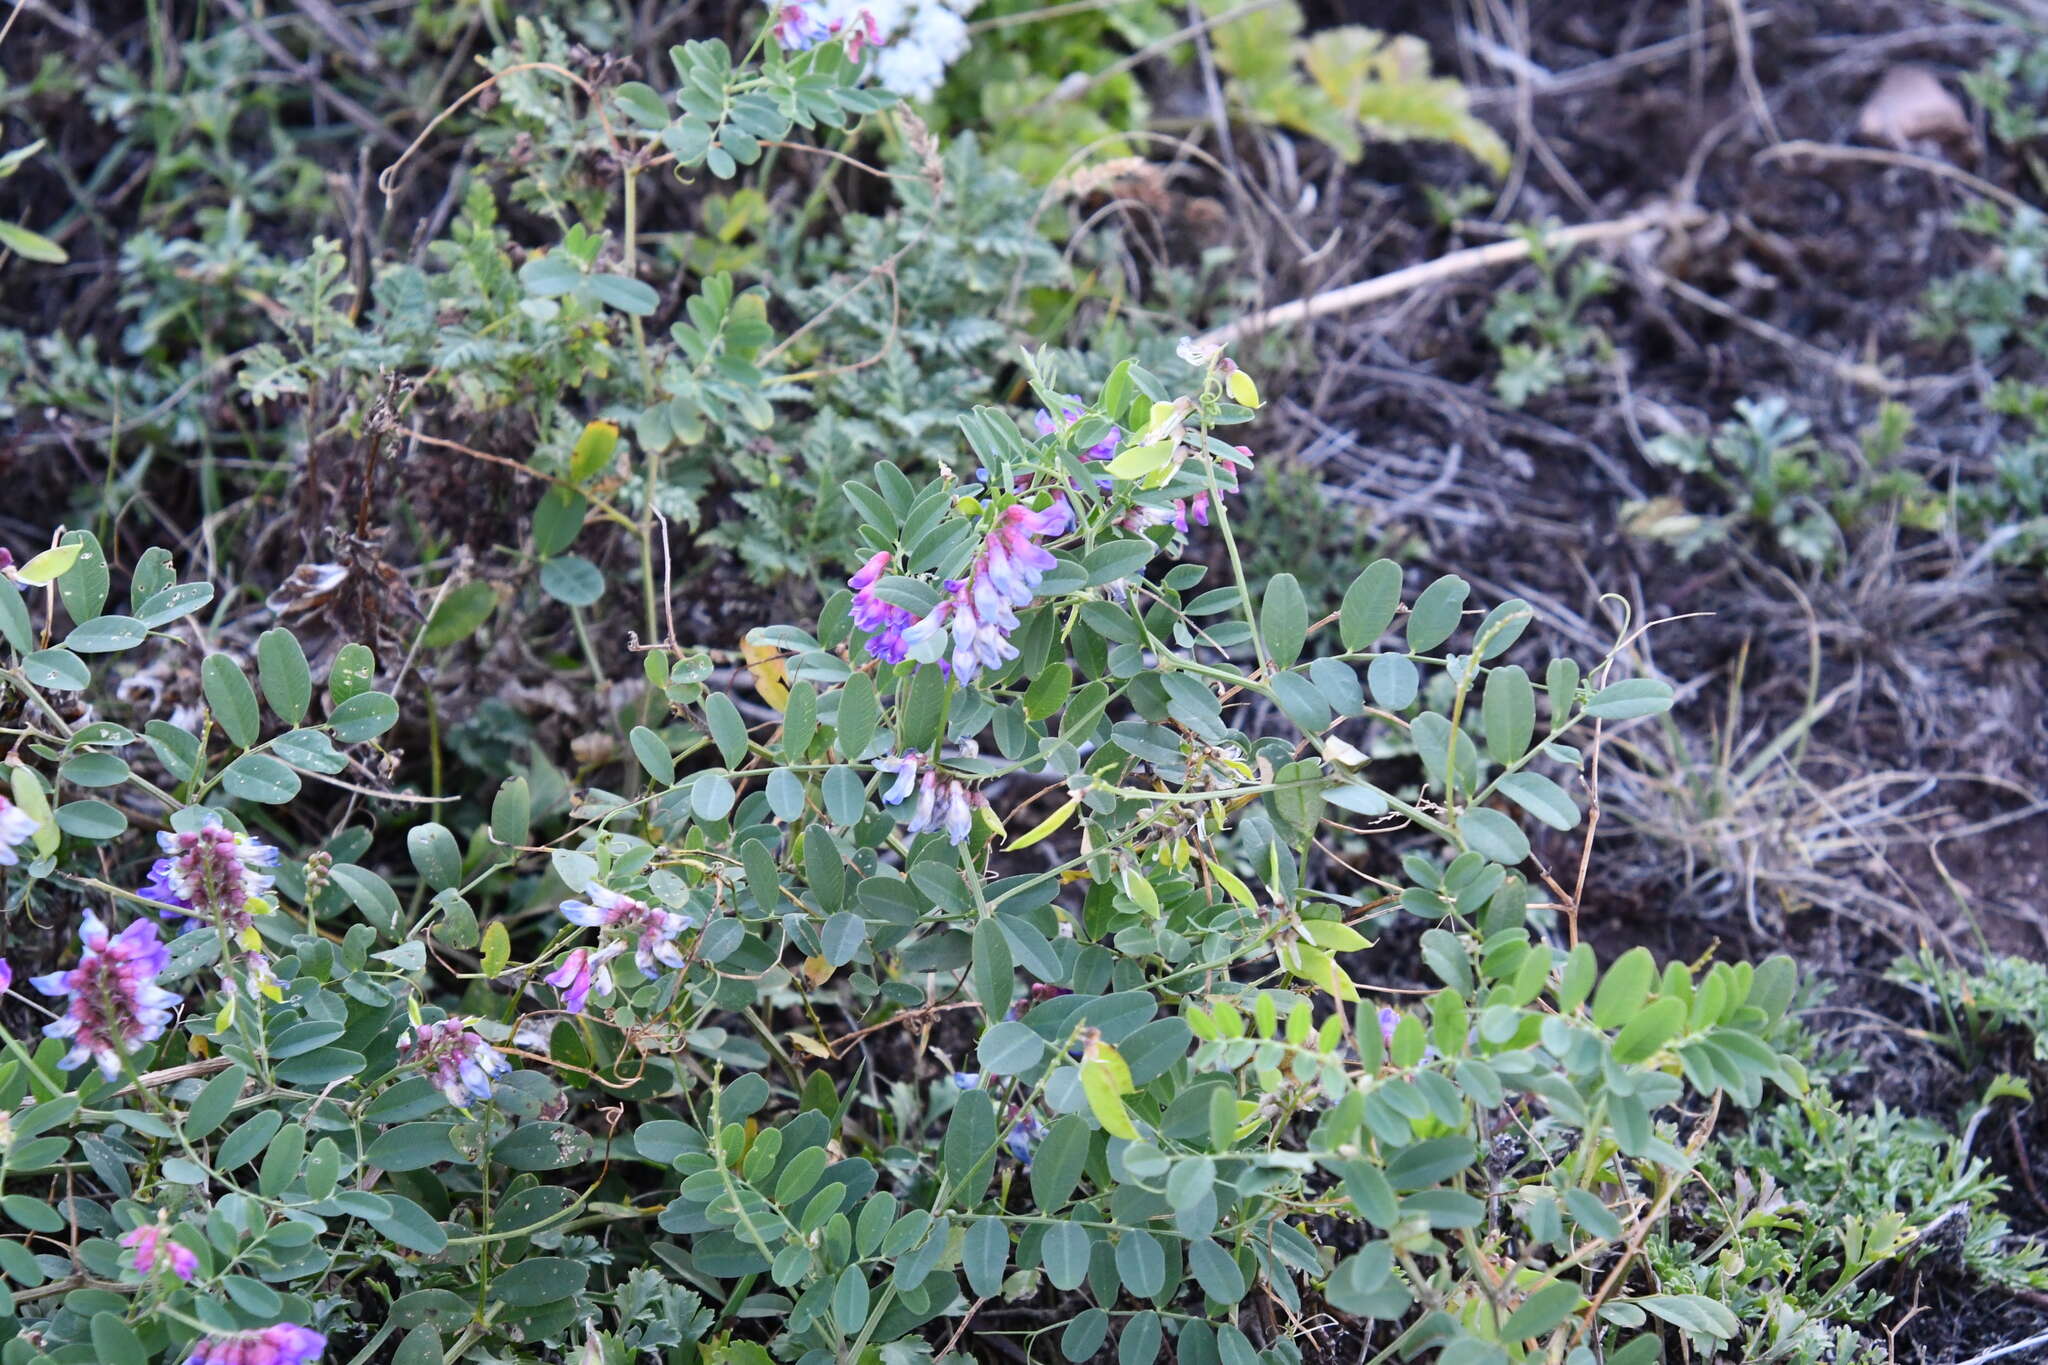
point(285, 1344)
point(580, 971)
point(1024, 1136)
point(154, 1251)
point(982, 622)
point(1012, 561)
point(16, 829)
point(943, 803)
point(460, 1062)
point(918, 634)
point(211, 874)
point(905, 768)
point(1390, 1019)
point(648, 930)
point(116, 1005)
point(6, 975)
point(966, 1080)
point(799, 27)
point(861, 32)
point(871, 613)
point(1071, 411)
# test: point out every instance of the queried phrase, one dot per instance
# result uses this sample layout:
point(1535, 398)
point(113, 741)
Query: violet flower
point(904, 766)
point(6, 975)
point(460, 1062)
point(1011, 559)
point(1071, 411)
point(982, 623)
point(799, 27)
point(870, 613)
point(284, 1344)
point(1024, 1136)
point(649, 930)
point(943, 803)
point(116, 1005)
point(580, 971)
point(211, 875)
point(980, 609)
point(156, 1251)
point(16, 829)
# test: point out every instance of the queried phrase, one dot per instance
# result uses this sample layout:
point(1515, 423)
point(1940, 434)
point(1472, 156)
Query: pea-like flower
point(944, 803)
point(980, 609)
point(800, 27)
point(649, 930)
point(115, 1004)
point(581, 971)
point(904, 767)
point(212, 875)
point(885, 620)
point(460, 1062)
point(1027, 1130)
point(16, 829)
point(1389, 1020)
point(284, 1344)
point(1024, 1136)
point(1071, 411)
point(6, 975)
point(155, 1251)
point(1011, 559)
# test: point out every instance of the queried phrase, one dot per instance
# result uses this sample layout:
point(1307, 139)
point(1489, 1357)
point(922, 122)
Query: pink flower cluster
point(981, 608)
point(211, 874)
point(115, 1004)
point(460, 1062)
point(870, 613)
point(623, 923)
point(285, 1344)
point(155, 1251)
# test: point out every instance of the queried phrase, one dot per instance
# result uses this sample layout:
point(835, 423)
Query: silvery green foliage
point(593, 1082)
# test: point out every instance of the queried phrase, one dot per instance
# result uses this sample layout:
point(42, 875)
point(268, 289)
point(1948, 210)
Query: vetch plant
point(1040, 826)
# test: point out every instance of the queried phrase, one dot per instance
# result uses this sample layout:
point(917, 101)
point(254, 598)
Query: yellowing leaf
point(1139, 461)
point(771, 680)
point(28, 795)
point(1317, 967)
point(1384, 83)
point(804, 1042)
point(1105, 1080)
point(31, 246)
point(1234, 884)
point(1141, 891)
point(594, 451)
point(497, 948)
point(1256, 47)
point(817, 971)
point(1045, 827)
point(50, 565)
point(1329, 934)
point(1243, 388)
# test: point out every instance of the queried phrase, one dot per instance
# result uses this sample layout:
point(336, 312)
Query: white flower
point(919, 39)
